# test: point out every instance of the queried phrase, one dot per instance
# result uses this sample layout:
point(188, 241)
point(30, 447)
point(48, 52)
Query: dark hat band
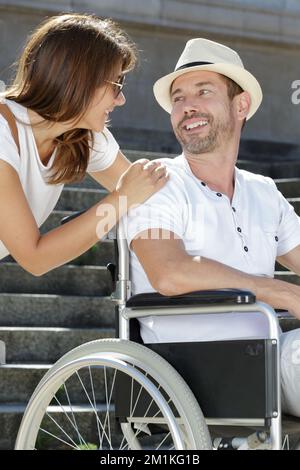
point(193, 64)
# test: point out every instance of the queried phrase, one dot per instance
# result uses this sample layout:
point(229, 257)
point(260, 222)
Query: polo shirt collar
point(183, 162)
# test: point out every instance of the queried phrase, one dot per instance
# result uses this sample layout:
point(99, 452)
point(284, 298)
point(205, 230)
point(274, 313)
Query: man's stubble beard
point(220, 131)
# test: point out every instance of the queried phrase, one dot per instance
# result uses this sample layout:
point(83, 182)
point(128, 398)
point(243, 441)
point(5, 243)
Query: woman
point(69, 79)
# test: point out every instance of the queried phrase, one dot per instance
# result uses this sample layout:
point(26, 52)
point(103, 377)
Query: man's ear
point(243, 102)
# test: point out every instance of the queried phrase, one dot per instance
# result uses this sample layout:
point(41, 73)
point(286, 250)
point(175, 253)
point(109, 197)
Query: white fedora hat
point(202, 54)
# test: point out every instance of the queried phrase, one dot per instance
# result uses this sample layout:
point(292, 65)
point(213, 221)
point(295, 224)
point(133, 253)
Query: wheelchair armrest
point(204, 297)
point(71, 217)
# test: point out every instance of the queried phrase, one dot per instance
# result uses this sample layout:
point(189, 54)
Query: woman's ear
point(243, 105)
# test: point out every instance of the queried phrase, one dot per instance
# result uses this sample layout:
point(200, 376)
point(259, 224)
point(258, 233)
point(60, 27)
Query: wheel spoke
point(58, 438)
point(108, 403)
point(94, 410)
point(73, 423)
point(62, 430)
point(95, 405)
point(161, 443)
point(73, 414)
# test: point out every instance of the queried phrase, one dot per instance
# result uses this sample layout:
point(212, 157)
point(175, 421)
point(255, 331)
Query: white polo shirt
point(246, 234)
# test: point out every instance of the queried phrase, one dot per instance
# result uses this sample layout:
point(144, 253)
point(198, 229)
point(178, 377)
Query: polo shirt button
point(246, 248)
point(276, 238)
point(234, 210)
point(219, 194)
point(203, 184)
point(239, 229)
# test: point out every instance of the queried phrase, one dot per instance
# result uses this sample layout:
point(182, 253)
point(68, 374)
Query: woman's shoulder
point(5, 132)
point(19, 111)
point(8, 148)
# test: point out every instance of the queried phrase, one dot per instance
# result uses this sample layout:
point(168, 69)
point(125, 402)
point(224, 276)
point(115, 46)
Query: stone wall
point(266, 33)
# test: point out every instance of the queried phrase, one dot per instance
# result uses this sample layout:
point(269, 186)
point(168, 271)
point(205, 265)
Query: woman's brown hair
point(64, 61)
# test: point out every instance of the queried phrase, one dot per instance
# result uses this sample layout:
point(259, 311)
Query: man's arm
point(172, 271)
point(291, 260)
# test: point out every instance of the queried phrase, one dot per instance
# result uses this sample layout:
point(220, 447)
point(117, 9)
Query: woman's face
point(103, 103)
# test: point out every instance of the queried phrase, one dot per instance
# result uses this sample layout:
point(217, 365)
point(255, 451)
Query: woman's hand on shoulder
point(141, 180)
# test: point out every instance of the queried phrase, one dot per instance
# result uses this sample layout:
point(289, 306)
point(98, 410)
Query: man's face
point(202, 114)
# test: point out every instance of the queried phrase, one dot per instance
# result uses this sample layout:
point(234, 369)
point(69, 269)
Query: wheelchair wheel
point(83, 402)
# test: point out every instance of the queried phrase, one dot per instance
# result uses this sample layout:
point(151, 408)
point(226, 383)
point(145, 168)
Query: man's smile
point(194, 125)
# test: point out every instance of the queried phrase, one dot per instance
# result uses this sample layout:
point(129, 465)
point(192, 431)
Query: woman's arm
point(109, 178)
point(38, 253)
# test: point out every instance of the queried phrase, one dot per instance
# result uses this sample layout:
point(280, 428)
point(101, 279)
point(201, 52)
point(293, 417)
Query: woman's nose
point(120, 100)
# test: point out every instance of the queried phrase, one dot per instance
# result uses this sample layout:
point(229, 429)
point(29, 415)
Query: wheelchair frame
point(123, 293)
point(100, 351)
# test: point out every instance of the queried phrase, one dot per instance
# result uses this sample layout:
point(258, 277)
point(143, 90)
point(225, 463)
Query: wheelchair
point(118, 394)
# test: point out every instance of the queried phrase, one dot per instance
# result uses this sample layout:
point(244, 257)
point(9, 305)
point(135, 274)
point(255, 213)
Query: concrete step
point(87, 182)
point(289, 187)
point(67, 280)
point(288, 276)
point(287, 321)
point(56, 310)
point(46, 345)
point(18, 381)
point(287, 169)
point(279, 267)
point(77, 199)
point(11, 415)
point(54, 220)
point(295, 201)
point(99, 255)
point(276, 170)
point(261, 168)
point(10, 420)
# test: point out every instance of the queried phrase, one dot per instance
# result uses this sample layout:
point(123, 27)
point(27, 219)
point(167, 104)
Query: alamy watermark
point(155, 221)
point(295, 98)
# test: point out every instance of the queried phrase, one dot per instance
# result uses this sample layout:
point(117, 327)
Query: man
point(212, 225)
